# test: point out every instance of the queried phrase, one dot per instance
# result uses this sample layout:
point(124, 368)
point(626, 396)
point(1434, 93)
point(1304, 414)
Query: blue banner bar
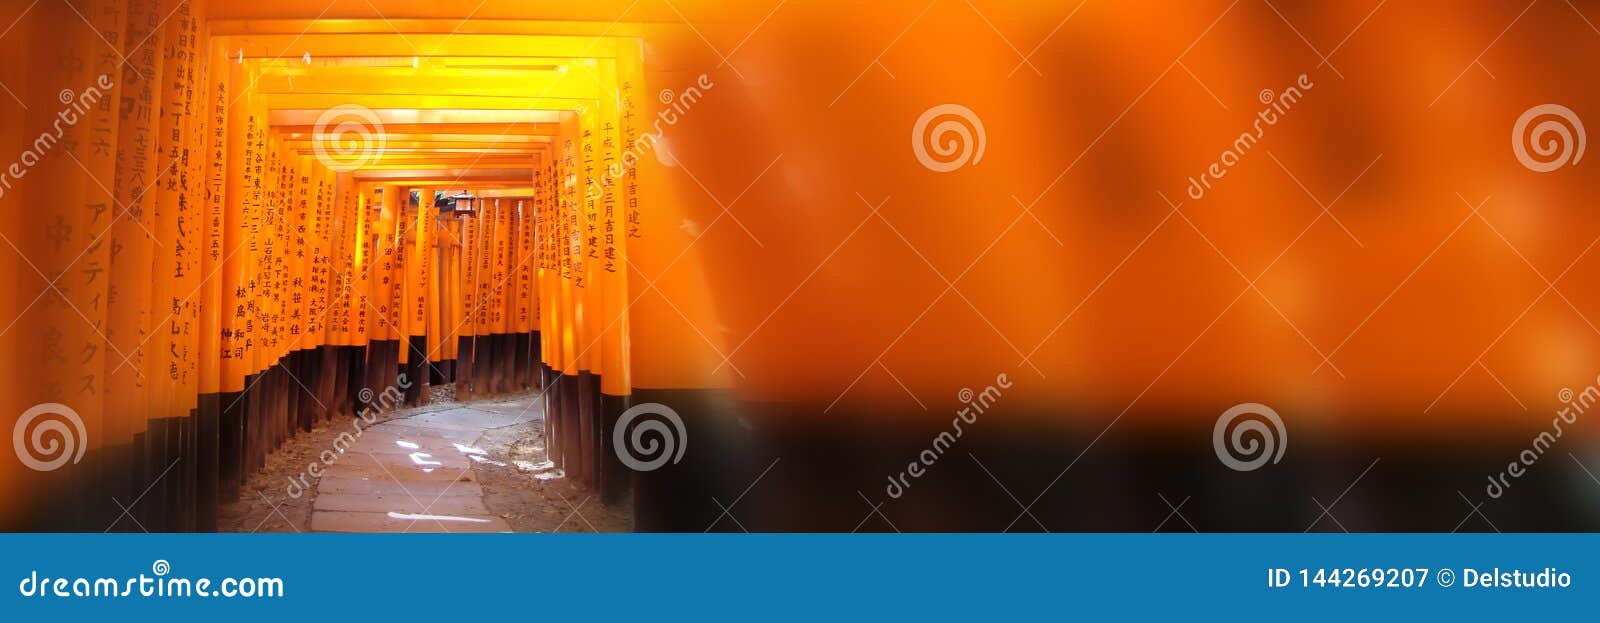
point(799, 576)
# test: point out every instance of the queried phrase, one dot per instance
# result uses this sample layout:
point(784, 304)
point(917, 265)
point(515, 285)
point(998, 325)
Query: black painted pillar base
point(720, 460)
point(464, 368)
point(548, 405)
point(486, 376)
point(357, 379)
point(587, 397)
point(523, 362)
point(417, 370)
point(117, 468)
point(616, 479)
point(208, 457)
point(536, 354)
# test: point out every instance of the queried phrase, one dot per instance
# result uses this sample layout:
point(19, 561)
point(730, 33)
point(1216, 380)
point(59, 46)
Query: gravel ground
point(530, 494)
point(271, 488)
point(520, 485)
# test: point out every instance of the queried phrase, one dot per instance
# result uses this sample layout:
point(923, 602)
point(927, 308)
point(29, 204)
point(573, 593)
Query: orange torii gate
point(277, 255)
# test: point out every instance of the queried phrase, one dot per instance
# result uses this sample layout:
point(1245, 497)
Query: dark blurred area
point(779, 469)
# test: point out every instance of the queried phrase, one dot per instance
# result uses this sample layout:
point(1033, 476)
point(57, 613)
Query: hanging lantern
point(464, 204)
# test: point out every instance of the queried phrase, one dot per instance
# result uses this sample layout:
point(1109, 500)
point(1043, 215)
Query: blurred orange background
point(1443, 281)
point(1402, 260)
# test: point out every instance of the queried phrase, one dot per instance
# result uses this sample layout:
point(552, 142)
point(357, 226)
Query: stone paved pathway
point(415, 474)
